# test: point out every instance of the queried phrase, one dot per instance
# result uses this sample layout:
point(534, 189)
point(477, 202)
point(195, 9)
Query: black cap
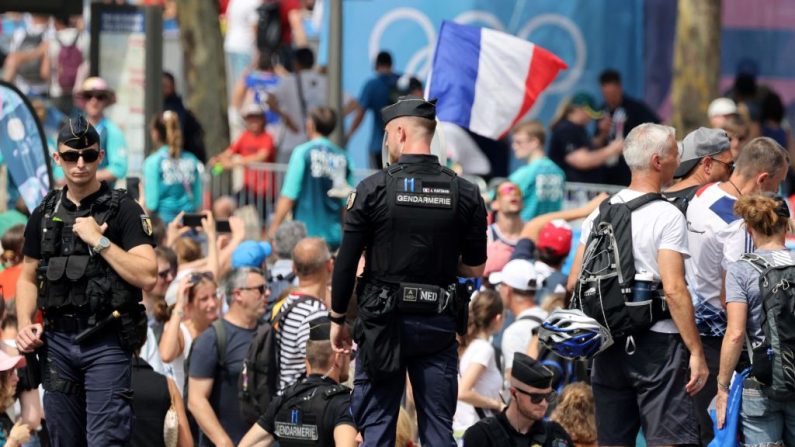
point(410, 106)
point(320, 329)
point(530, 372)
point(78, 133)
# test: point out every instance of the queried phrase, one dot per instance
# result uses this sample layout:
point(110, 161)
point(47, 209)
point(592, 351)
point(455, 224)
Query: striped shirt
point(293, 335)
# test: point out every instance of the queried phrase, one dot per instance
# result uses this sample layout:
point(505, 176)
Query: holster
point(132, 328)
point(460, 307)
point(30, 375)
point(377, 332)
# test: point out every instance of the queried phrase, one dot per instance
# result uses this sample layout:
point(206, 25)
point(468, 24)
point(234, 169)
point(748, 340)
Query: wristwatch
point(337, 320)
point(103, 244)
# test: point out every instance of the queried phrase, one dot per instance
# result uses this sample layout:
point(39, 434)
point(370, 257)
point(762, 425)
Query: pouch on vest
point(377, 333)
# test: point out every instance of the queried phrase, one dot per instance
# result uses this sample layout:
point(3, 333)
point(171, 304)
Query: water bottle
point(643, 288)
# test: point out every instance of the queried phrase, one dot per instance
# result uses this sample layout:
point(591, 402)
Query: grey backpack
point(773, 362)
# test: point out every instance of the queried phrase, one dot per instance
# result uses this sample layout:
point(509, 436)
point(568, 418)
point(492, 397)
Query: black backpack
point(773, 362)
point(269, 26)
point(259, 378)
point(604, 287)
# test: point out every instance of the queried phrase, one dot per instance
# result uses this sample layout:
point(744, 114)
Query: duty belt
point(69, 323)
point(423, 298)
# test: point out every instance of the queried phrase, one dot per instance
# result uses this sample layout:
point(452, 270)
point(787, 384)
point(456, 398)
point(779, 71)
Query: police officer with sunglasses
point(522, 422)
point(420, 226)
point(88, 252)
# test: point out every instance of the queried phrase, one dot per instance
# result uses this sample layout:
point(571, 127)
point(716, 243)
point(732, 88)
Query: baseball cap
point(518, 273)
point(11, 361)
point(700, 143)
point(555, 236)
point(721, 107)
point(587, 102)
point(251, 109)
point(250, 254)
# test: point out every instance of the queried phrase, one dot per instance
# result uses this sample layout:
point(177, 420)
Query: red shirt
point(285, 7)
point(248, 144)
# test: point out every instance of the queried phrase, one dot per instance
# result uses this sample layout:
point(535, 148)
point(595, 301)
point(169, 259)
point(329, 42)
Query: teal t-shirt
point(172, 185)
point(111, 140)
point(542, 183)
point(315, 167)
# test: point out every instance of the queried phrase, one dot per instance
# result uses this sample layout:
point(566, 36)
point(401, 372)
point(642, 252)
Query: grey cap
point(700, 143)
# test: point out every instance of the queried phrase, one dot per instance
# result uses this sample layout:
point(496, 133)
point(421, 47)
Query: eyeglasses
point(95, 95)
point(89, 155)
point(536, 398)
point(164, 273)
point(260, 288)
point(729, 166)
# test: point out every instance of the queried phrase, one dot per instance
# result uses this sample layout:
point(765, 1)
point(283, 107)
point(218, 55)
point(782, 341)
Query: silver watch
point(103, 244)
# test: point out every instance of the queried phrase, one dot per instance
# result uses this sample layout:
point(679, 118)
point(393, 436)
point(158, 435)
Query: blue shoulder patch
point(724, 208)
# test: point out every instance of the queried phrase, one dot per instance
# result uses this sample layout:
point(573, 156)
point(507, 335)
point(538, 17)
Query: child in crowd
point(575, 412)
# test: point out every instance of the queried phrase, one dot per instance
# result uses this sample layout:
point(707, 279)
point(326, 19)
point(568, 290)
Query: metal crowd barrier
point(268, 178)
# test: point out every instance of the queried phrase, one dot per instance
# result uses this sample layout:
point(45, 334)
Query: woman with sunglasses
point(522, 422)
point(172, 177)
point(196, 308)
point(764, 420)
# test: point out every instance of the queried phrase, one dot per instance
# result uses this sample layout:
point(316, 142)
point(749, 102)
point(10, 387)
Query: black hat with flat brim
point(410, 106)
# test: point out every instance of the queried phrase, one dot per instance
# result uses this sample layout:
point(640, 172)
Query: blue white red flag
point(486, 80)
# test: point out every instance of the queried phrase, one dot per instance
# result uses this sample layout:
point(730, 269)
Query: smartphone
point(195, 221)
point(133, 187)
point(192, 220)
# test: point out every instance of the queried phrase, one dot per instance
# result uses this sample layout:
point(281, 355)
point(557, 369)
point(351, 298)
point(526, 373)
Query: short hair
point(309, 256)
point(384, 59)
point(324, 119)
point(158, 228)
point(304, 57)
point(610, 76)
point(533, 129)
point(318, 354)
point(13, 239)
point(644, 141)
point(170, 76)
point(762, 154)
point(236, 279)
point(428, 126)
point(287, 236)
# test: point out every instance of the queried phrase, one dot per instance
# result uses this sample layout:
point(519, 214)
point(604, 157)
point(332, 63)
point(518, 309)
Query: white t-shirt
point(655, 226)
point(518, 335)
point(479, 352)
point(313, 87)
point(716, 239)
point(241, 18)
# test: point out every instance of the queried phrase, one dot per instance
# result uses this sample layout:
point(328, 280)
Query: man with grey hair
point(706, 158)
point(642, 380)
point(716, 239)
point(213, 384)
point(281, 272)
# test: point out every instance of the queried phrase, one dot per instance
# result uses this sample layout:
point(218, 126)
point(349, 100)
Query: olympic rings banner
point(588, 35)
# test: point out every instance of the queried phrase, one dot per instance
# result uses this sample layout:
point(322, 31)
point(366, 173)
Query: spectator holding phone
point(172, 177)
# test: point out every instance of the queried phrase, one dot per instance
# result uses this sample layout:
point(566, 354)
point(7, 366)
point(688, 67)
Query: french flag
point(486, 80)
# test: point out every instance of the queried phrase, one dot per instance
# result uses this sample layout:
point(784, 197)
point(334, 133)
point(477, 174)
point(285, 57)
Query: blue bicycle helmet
point(573, 335)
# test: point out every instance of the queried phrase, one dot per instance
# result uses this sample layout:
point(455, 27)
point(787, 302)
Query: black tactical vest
point(300, 420)
point(422, 237)
point(72, 279)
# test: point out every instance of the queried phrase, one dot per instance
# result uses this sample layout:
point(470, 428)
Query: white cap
point(721, 107)
point(519, 274)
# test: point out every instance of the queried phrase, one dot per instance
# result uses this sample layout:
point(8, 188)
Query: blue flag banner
point(23, 146)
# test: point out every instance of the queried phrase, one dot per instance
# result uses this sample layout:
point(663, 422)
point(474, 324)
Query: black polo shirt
point(544, 433)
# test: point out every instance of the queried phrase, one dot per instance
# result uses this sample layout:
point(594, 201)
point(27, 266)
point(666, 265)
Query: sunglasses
point(98, 96)
point(260, 288)
point(536, 398)
point(197, 277)
point(89, 155)
point(729, 166)
point(508, 189)
point(164, 273)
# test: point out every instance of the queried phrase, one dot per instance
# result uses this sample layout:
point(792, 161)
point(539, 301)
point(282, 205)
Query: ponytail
point(173, 133)
point(483, 309)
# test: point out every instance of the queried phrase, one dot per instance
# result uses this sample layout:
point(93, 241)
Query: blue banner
point(23, 146)
point(589, 36)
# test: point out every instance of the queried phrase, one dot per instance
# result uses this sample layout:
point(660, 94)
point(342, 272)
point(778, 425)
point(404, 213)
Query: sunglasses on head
point(89, 155)
point(197, 277)
point(536, 398)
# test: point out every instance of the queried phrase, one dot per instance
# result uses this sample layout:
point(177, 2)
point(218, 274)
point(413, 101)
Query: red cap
point(555, 236)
